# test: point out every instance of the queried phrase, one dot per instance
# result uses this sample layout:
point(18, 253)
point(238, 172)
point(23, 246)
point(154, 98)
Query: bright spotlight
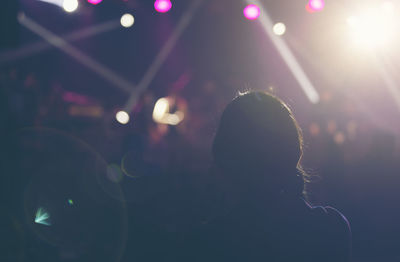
point(373, 28)
point(279, 28)
point(315, 5)
point(127, 20)
point(162, 6)
point(251, 12)
point(388, 7)
point(70, 5)
point(122, 117)
point(95, 2)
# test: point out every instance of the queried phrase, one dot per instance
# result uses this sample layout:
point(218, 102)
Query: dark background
point(138, 188)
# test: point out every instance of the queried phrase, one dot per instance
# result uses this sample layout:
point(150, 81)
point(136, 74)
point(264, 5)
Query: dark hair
point(259, 142)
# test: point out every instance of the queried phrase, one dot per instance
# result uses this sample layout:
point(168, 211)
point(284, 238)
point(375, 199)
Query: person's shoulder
point(336, 216)
point(336, 228)
point(332, 216)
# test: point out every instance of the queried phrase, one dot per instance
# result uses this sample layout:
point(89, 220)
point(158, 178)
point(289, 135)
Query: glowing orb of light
point(127, 20)
point(122, 117)
point(279, 28)
point(160, 109)
point(315, 5)
point(95, 2)
point(372, 28)
point(162, 115)
point(162, 6)
point(251, 12)
point(70, 5)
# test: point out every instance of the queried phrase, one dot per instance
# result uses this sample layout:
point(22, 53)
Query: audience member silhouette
point(257, 151)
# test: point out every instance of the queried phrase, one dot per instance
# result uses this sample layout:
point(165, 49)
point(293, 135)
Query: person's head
point(258, 145)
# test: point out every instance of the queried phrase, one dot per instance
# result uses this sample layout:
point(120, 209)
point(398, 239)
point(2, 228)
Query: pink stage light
point(95, 2)
point(251, 12)
point(315, 6)
point(162, 6)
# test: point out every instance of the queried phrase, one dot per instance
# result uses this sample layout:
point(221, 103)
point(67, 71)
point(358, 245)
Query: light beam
point(162, 55)
point(287, 55)
point(81, 57)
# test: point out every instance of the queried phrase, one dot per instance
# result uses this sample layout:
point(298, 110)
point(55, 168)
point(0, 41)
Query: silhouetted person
point(256, 150)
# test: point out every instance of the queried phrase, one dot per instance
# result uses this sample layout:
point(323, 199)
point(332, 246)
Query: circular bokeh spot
point(114, 173)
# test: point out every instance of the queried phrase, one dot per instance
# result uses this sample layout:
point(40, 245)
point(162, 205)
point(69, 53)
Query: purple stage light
point(251, 12)
point(95, 2)
point(162, 6)
point(315, 5)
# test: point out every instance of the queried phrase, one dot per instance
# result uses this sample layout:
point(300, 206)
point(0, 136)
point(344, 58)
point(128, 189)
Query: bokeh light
point(162, 115)
point(160, 109)
point(251, 12)
point(114, 173)
point(70, 5)
point(314, 129)
point(279, 29)
point(315, 5)
point(331, 126)
point(127, 20)
point(339, 138)
point(162, 6)
point(122, 117)
point(95, 2)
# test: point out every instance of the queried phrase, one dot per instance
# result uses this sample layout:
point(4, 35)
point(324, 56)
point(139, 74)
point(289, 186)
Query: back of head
point(258, 143)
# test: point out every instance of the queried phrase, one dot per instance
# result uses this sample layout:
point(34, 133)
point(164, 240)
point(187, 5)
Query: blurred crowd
point(163, 170)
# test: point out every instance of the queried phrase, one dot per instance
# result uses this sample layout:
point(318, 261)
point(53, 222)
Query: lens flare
point(42, 217)
point(251, 12)
point(69, 200)
point(114, 173)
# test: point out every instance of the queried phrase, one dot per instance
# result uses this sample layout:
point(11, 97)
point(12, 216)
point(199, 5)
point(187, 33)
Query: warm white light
point(122, 117)
point(388, 7)
point(373, 28)
point(162, 115)
point(279, 28)
point(127, 20)
point(160, 109)
point(70, 5)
